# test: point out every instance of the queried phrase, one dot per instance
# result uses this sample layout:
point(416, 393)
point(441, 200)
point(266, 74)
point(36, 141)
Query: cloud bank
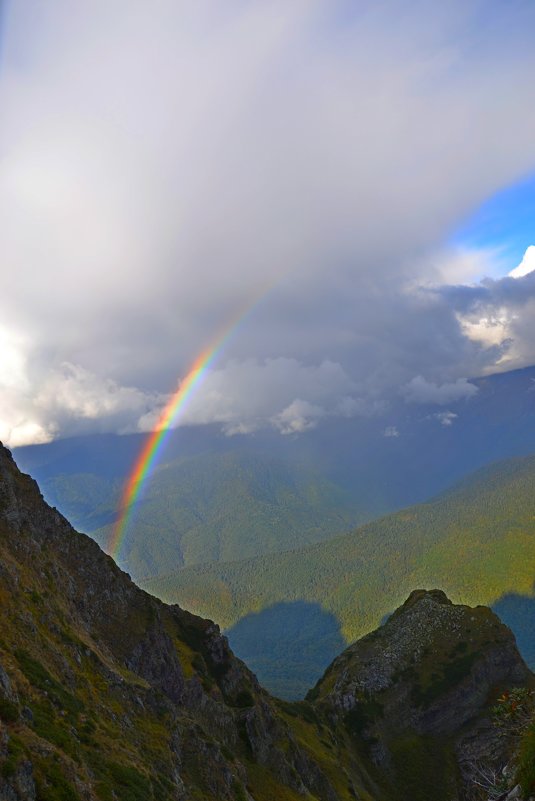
point(418, 390)
point(161, 165)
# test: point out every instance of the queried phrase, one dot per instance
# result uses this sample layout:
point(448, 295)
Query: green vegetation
point(211, 507)
point(450, 674)
point(9, 712)
point(362, 716)
point(477, 542)
point(526, 761)
point(424, 768)
point(40, 678)
point(128, 783)
point(54, 786)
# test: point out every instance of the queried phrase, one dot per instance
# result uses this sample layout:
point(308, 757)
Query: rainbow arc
point(155, 442)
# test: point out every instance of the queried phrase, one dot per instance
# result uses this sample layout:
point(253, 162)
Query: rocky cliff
point(107, 694)
point(418, 691)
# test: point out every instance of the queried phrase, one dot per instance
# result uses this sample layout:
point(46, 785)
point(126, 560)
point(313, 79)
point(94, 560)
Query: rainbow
point(156, 440)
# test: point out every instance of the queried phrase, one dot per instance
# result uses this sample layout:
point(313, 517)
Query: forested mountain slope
point(477, 541)
point(209, 507)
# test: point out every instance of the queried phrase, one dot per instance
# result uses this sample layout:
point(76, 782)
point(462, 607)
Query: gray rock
point(27, 715)
point(6, 691)
point(24, 781)
point(515, 793)
point(20, 786)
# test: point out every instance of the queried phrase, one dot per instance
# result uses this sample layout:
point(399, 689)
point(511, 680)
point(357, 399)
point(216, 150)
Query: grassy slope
point(477, 542)
point(209, 508)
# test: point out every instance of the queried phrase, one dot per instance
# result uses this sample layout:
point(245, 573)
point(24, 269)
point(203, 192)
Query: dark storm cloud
point(512, 293)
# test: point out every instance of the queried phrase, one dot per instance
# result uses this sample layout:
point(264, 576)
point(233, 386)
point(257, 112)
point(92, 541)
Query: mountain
point(477, 541)
point(412, 689)
point(215, 497)
point(209, 507)
point(107, 694)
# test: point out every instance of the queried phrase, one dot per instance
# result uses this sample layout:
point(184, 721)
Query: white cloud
point(490, 331)
point(419, 390)
point(299, 416)
point(527, 265)
point(75, 391)
point(38, 407)
point(445, 418)
point(463, 265)
point(391, 431)
point(245, 396)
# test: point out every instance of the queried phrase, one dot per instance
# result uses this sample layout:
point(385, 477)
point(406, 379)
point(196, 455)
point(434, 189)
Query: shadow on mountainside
point(288, 646)
point(518, 612)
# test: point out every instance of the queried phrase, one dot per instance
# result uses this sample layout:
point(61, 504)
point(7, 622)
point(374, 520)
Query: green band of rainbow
point(156, 439)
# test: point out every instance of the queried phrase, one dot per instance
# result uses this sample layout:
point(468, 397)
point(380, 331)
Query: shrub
point(9, 712)
point(128, 783)
point(8, 768)
point(244, 699)
point(55, 787)
point(526, 761)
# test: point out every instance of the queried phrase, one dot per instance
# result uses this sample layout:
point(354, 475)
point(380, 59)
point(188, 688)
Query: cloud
point(462, 265)
point(497, 314)
point(391, 431)
point(162, 165)
point(64, 401)
point(249, 395)
point(299, 416)
point(419, 390)
point(526, 266)
point(445, 418)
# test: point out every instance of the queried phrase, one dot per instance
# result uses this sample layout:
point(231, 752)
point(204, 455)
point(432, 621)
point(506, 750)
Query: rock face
point(107, 694)
point(418, 691)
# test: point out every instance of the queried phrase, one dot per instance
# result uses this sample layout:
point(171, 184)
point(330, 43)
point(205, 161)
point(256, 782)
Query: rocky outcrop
point(421, 687)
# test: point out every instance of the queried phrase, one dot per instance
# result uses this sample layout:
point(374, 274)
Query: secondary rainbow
point(156, 439)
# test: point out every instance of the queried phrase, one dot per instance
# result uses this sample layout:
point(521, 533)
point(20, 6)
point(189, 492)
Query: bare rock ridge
point(107, 694)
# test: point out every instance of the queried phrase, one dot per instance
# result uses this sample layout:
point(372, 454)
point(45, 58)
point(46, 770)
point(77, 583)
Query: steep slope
point(106, 693)
point(414, 690)
point(208, 507)
point(476, 541)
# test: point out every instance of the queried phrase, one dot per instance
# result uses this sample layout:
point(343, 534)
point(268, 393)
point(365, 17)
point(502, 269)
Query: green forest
point(476, 542)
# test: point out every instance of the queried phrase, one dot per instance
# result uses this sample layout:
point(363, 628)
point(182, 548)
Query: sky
point(358, 176)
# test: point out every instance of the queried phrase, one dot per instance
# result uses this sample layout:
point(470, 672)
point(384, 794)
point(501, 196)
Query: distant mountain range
point(209, 507)
point(214, 497)
point(477, 541)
